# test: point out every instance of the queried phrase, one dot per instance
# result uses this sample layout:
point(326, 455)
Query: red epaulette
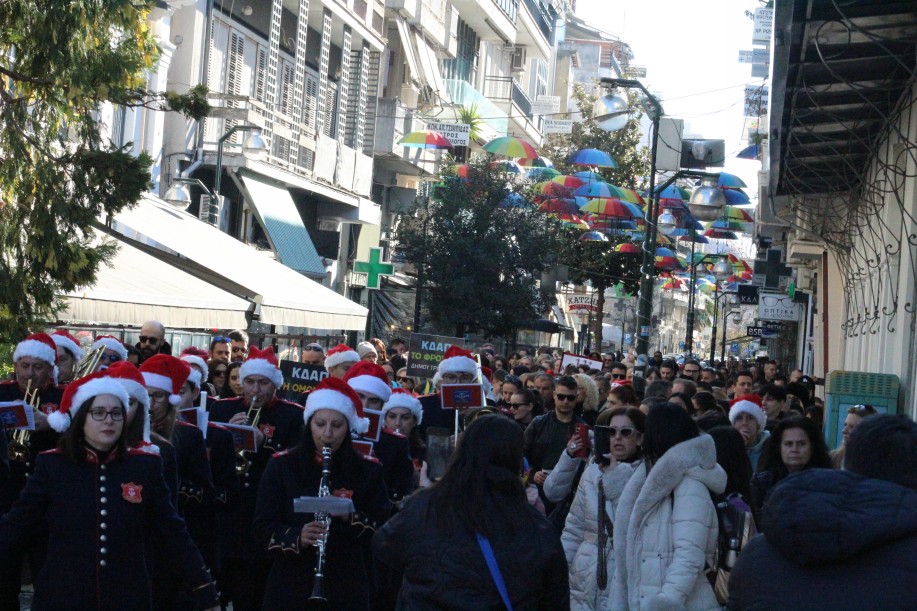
point(51, 451)
point(140, 452)
point(6, 382)
point(293, 403)
point(394, 433)
point(371, 459)
point(216, 426)
point(280, 454)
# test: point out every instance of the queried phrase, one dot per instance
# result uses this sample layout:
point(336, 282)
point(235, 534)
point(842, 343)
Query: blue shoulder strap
point(494, 569)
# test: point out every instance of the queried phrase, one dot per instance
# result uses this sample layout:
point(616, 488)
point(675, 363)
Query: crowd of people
point(158, 481)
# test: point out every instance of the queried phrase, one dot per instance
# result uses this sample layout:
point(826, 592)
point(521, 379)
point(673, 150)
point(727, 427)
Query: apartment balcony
point(496, 119)
point(432, 16)
point(535, 29)
point(507, 94)
point(492, 20)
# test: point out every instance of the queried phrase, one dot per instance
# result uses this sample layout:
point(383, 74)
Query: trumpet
point(18, 449)
point(88, 363)
point(317, 601)
point(243, 464)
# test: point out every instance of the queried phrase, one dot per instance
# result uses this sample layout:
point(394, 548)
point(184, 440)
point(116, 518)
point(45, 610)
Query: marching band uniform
point(277, 526)
point(245, 564)
point(101, 513)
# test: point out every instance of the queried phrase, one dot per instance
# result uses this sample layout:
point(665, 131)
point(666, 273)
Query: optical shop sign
point(776, 306)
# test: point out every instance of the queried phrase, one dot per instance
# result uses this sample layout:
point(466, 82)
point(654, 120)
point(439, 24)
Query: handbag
point(494, 568)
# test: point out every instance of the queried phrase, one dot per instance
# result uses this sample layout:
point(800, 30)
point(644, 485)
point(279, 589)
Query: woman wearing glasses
point(100, 503)
point(587, 536)
point(113, 351)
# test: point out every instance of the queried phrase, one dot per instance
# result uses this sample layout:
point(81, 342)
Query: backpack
point(736, 528)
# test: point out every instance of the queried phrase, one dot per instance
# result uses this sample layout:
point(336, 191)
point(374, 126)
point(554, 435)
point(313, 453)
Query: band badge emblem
point(343, 493)
point(268, 430)
point(131, 492)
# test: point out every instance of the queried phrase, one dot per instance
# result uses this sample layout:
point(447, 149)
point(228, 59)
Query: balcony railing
point(507, 89)
point(542, 17)
point(508, 7)
point(464, 94)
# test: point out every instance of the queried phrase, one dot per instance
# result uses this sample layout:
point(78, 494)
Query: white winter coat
point(666, 531)
point(581, 533)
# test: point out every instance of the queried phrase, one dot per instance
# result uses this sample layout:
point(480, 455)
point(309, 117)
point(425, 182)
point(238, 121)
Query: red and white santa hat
point(262, 363)
point(167, 373)
point(195, 356)
point(110, 342)
point(128, 375)
point(748, 404)
point(79, 392)
point(335, 394)
point(456, 360)
point(340, 354)
point(38, 346)
point(64, 340)
point(369, 379)
point(403, 398)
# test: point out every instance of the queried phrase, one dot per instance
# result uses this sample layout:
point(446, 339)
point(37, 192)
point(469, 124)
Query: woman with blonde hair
point(587, 399)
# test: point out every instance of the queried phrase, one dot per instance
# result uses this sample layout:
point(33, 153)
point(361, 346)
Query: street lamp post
point(721, 271)
point(716, 307)
point(254, 148)
point(726, 314)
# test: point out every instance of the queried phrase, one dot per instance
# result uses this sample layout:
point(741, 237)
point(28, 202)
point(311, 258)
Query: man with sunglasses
point(152, 340)
point(618, 372)
point(113, 351)
point(547, 436)
point(313, 354)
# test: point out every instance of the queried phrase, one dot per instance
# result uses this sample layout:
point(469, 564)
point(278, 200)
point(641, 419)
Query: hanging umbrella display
point(628, 248)
point(593, 236)
point(542, 174)
point(750, 152)
point(571, 220)
point(673, 283)
point(661, 239)
point(735, 197)
point(611, 225)
point(629, 195)
point(734, 213)
point(557, 205)
point(597, 189)
point(721, 234)
point(608, 206)
point(593, 157)
point(589, 176)
point(510, 146)
point(507, 165)
point(727, 225)
point(537, 162)
point(553, 189)
point(514, 200)
point(425, 139)
point(571, 182)
point(694, 237)
point(731, 181)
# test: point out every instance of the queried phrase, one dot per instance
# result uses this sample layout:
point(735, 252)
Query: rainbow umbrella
point(721, 234)
point(571, 182)
point(552, 188)
point(558, 205)
point(628, 248)
point(571, 220)
point(425, 139)
point(607, 206)
point(727, 225)
point(739, 264)
point(538, 162)
point(597, 189)
point(629, 195)
point(593, 157)
point(735, 197)
point(673, 284)
point(674, 192)
point(593, 236)
point(734, 213)
point(508, 166)
point(541, 174)
point(611, 224)
point(510, 146)
point(731, 181)
point(661, 239)
point(589, 176)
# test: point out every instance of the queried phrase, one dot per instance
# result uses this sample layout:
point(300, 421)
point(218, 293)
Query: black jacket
point(100, 519)
point(277, 529)
point(833, 540)
point(447, 570)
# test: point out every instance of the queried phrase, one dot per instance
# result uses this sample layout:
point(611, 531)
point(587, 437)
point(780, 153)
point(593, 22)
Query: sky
point(690, 51)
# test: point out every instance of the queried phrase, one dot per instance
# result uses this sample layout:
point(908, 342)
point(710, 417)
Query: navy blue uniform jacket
point(100, 520)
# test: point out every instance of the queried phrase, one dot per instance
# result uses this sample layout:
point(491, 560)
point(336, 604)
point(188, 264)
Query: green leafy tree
point(597, 262)
point(61, 62)
point(480, 259)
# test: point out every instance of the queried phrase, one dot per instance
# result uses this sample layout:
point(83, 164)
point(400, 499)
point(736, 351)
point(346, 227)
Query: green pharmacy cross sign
point(374, 269)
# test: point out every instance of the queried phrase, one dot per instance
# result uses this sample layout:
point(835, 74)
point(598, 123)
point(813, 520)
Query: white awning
point(407, 48)
point(430, 67)
point(136, 287)
point(286, 297)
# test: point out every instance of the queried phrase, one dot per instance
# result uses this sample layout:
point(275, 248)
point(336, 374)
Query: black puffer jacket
point(447, 570)
point(833, 540)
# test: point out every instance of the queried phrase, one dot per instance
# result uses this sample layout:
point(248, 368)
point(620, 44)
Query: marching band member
point(457, 367)
point(101, 503)
point(402, 415)
point(278, 426)
point(339, 359)
point(332, 411)
point(35, 366)
point(113, 351)
point(69, 354)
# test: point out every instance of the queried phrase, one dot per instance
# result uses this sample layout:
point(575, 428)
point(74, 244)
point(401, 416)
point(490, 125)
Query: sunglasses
point(404, 379)
point(313, 348)
point(517, 405)
point(111, 358)
point(219, 339)
point(145, 339)
point(618, 376)
point(625, 431)
point(564, 397)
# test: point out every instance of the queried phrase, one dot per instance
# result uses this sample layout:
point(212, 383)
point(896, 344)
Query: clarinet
point(317, 600)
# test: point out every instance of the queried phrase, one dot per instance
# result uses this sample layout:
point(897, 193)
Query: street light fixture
point(722, 270)
point(179, 196)
point(254, 148)
point(707, 201)
point(716, 306)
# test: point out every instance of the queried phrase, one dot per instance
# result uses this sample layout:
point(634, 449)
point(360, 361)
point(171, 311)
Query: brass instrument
point(18, 448)
point(88, 363)
point(243, 464)
point(317, 601)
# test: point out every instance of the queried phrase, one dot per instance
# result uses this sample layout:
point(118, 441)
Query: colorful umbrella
point(675, 192)
point(735, 197)
point(721, 234)
point(462, 170)
point(571, 182)
point(749, 152)
point(607, 206)
point(731, 181)
point(611, 224)
point(507, 165)
point(629, 195)
point(514, 200)
point(733, 213)
point(540, 174)
point(694, 237)
point(673, 283)
point(510, 146)
point(425, 139)
point(552, 188)
point(597, 189)
point(593, 236)
point(727, 225)
point(589, 176)
point(593, 157)
point(628, 247)
point(558, 205)
point(571, 220)
point(538, 162)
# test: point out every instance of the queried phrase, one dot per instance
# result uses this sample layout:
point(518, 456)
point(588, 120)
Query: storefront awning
point(135, 287)
point(407, 48)
point(285, 230)
point(286, 297)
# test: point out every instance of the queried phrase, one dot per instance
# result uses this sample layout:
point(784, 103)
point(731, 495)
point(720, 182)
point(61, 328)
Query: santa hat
point(403, 398)
point(80, 391)
point(166, 372)
point(130, 378)
point(456, 360)
point(340, 354)
point(369, 378)
point(335, 394)
point(748, 404)
point(196, 377)
point(64, 340)
point(364, 348)
point(262, 363)
point(38, 346)
point(617, 383)
point(110, 342)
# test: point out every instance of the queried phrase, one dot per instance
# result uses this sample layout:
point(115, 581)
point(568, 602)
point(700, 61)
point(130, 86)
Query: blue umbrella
point(514, 200)
point(596, 189)
point(731, 180)
point(749, 152)
point(670, 192)
point(735, 197)
point(593, 157)
point(589, 176)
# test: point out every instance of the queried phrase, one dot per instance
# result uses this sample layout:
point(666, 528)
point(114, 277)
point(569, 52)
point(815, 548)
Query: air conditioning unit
point(518, 57)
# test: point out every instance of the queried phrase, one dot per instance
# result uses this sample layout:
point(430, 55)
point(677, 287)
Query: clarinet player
point(333, 410)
